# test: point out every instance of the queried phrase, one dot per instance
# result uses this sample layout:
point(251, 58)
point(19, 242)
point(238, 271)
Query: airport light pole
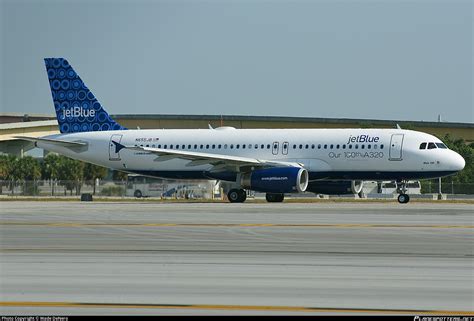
point(440, 195)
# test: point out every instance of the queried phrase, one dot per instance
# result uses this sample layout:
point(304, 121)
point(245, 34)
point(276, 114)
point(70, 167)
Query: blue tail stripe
point(77, 109)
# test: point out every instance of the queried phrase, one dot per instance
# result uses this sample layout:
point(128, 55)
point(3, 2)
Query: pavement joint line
point(355, 225)
point(229, 307)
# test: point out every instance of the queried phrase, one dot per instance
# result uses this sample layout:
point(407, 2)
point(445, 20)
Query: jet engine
point(276, 180)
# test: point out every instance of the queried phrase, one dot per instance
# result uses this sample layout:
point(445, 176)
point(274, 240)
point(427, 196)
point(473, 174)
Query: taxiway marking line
point(228, 307)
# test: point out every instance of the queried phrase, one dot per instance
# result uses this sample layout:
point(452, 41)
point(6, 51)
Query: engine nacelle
point(335, 187)
point(276, 180)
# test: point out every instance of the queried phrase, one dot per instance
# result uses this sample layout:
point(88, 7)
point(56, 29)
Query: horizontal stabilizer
point(59, 142)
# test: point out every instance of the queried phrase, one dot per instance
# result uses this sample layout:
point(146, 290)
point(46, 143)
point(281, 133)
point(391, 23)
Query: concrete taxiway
point(170, 258)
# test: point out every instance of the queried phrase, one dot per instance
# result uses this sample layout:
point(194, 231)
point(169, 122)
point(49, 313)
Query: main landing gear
point(237, 195)
point(240, 195)
point(403, 198)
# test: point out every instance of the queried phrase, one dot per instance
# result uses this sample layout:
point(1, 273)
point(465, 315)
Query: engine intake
point(276, 180)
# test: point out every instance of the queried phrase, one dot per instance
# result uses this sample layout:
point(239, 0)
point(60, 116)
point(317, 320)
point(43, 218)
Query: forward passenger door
point(396, 144)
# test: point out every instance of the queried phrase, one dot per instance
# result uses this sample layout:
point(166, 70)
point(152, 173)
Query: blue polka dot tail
point(76, 107)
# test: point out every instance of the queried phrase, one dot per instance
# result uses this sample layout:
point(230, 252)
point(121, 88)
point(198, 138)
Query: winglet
point(398, 127)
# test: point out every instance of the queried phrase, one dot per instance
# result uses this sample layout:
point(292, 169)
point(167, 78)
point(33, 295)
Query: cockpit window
point(422, 145)
point(441, 145)
point(431, 146)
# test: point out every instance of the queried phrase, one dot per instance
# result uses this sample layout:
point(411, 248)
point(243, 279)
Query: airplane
point(272, 161)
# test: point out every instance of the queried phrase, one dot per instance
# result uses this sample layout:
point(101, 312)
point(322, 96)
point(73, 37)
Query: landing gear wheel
point(243, 196)
point(138, 193)
point(237, 195)
point(403, 198)
point(275, 197)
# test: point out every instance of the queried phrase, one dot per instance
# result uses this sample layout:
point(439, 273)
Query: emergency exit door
point(284, 148)
point(275, 148)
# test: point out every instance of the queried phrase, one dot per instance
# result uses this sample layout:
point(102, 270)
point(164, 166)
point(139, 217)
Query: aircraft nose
point(457, 162)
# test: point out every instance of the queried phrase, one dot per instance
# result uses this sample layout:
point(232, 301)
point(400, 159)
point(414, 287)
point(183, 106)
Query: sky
point(399, 60)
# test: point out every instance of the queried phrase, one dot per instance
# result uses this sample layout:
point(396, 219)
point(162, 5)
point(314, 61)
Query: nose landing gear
point(403, 198)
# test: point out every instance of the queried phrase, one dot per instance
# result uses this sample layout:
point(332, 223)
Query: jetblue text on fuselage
point(363, 139)
point(77, 111)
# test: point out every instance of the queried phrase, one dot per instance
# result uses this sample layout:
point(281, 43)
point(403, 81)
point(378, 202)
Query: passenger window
point(356, 146)
point(256, 146)
point(250, 146)
point(431, 146)
point(243, 146)
point(301, 146)
point(202, 146)
point(207, 146)
point(159, 146)
point(331, 147)
point(350, 146)
point(195, 146)
point(306, 146)
point(294, 146)
point(238, 145)
point(325, 146)
point(262, 146)
point(225, 146)
point(319, 146)
point(189, 146)
point(344, 146)
point(362, 146)
point(183, 147)
point(375, 146)
point(213, 146)
point(268, 146)
point(381, 146)
point(166, 146)
point(147, 145)
point(337, 146)
point(312, 146)
point(231, 146)
point(177, 146)
point(369, 146)
point(219, 146)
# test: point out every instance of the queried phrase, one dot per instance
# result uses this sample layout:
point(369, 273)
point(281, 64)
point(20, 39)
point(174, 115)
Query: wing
point(219, 161)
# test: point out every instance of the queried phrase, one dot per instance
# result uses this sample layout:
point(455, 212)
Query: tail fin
point(76, 107)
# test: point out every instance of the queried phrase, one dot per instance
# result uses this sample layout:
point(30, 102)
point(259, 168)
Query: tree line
point(68, 172)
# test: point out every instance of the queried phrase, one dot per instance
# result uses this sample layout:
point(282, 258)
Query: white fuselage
point(338, 154)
